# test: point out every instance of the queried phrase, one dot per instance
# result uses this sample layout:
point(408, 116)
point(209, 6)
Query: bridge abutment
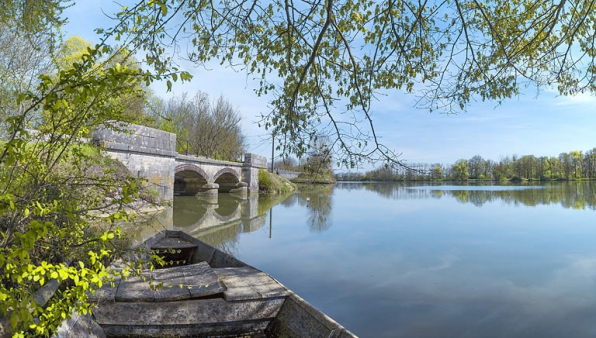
point(250, 170)
point(145, 152)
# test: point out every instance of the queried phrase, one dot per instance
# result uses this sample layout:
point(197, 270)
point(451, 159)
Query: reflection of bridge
point(151, 153)
point(202, 217)
point(198, 216)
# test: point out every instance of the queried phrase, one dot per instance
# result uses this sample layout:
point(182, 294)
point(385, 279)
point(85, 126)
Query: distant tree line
point(574, 165)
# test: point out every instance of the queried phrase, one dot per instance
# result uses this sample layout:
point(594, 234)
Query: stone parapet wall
point(206, 160)
point(138, 139)
point(254, 160)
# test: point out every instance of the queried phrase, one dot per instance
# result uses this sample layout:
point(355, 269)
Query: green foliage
point(129, 100)
point(318, 60)
point(270, 183)
point(70, 52)
point(49, 193)
point(202, 128)
point(317, 166)
point(324, 63)
point(459, 171)
point(24, 55)
point(52, 187)
point(325, 177)
point(32, 16)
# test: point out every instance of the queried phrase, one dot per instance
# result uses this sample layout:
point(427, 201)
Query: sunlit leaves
point(321, 60)
point(49, 192)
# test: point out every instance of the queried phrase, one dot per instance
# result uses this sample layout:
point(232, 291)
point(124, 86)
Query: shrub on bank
point(325, 177)
point(270, 183)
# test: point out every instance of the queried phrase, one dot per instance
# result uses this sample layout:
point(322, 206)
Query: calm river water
point(391, 260)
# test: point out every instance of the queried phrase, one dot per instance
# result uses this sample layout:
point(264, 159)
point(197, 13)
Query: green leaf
point(21, 98)
point(14, 320)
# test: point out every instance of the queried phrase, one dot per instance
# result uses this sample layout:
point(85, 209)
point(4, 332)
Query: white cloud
point(584, 99)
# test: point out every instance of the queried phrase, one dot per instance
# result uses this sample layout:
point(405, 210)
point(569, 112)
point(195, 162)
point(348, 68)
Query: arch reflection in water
point(220, 221)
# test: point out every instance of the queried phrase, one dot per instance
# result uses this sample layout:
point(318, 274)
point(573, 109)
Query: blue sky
point(537, 124)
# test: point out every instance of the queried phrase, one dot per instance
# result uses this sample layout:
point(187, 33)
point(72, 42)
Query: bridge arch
point(226, 171)
point(227, 178)
point(189, 179)
point(192, 167)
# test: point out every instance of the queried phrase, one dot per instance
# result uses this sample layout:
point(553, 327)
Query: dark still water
point(422, 261)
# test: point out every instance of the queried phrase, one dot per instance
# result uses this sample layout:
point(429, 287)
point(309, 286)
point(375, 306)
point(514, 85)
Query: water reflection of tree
point(397, 190)
point(319, 201)
point(576, 195)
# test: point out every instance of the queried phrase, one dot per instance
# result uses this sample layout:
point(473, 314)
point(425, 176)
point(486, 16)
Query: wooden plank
point(173, 243)
point(248, 283)
point(137, 289)
point(189, 312)
point(249, 329)
point(178, 283)
point(106, 293)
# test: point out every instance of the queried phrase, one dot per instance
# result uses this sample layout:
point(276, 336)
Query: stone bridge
point(151, 153)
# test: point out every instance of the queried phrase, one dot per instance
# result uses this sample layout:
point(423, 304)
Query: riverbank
point(324, 178)
point(270, 183)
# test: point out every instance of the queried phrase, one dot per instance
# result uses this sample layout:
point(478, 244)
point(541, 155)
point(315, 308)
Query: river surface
point(395, 260)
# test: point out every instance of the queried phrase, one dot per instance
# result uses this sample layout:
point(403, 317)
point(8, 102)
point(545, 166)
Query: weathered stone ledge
point(206, 160)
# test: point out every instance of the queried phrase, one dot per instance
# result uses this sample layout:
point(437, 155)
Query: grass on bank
point(270, 183)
